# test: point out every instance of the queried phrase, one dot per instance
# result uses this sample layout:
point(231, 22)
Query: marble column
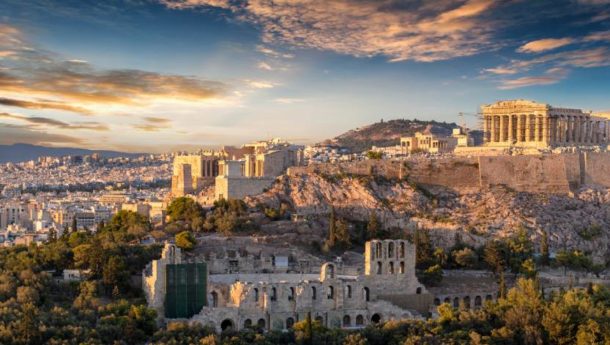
point(502, 129)
point(485, 129)
point(537, 121)
point(511, 126)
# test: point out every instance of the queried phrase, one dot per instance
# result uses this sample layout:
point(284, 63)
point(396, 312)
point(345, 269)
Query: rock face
point(578, 221)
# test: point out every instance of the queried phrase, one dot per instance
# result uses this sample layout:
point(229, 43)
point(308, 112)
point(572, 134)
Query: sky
point(165, 75)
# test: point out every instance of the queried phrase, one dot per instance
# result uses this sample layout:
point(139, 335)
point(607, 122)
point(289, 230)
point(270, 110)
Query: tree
point(188, 211)
point(115, 272)
point(502, 286)
point(373, 225)
point(465, 257)
point(74, 224)
point(544, 249)
point(432, 276)
point(522, 312)
point(493, 256)
point(52, 235)
point(186, 240)
point(374, 155)
point(423, 246)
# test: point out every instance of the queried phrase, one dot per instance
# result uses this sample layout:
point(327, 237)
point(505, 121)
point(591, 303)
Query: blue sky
point(159, 75)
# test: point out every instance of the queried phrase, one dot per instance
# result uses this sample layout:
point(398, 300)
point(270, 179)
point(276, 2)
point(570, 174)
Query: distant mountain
point(388, 133)
point(26, 152)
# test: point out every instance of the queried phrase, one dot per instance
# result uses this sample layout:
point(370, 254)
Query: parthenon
point(532, 124)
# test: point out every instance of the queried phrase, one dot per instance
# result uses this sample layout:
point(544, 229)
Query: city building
point(531, 124)
point(385, 289)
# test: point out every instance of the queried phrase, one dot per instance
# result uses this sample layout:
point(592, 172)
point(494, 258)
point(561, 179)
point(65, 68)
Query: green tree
point(522, 312)
point(423, 246)
point(494, 256)
point(544, 249)
point(186, 240)
point(52, 235)
point(115, 272)
point(187, 211)
point(74, 224)
point(373, 226)
point(465, 257)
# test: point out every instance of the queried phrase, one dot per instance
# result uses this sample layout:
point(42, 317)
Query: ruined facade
point(388, 289)
point(430, 143)
point(531, 124)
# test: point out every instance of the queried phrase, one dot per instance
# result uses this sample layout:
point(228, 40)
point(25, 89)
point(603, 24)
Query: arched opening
point(255, 295)
point(391, 270)
point(261, 323)
point(467, 302)
point(456, 302)
point(291, 296)
point(402, 249)
point(359, 320)
point(488, 298)
point(273, 294)
point(376, 318)
point(330, 271)
point(247, 323)
point(314, 292)
point(390, 249)
point(379, 267)
point(378, 250)
point(477, 301)
point(226, 325)
point(214, 299)
point(437, 301)
point(331, 292)
point(418, 290)
point(347, 321)
point(320, 320)
point(348, 291)
point(447, 300)
point(289, 323)
point(401, 269)
point(366, 294)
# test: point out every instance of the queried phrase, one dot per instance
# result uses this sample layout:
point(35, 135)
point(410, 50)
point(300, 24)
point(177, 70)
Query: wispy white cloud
point(260, 84)
point(283, 100)
point(546, 44)
point(264, 66)
point(552, 76)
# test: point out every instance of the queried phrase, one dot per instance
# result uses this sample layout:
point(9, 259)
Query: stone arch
point(273, 294)
point(261, 323)
point(391, 269)
point(376, 318)
point(347, 321)
point(226, 325)
point(289, 323)
point(214, 299)
point(390, 249)
point(401, 252)
point(314, 292)
point(418, 290)
point(367, 294)
point(292, 295)
point(447, 300)
point(467, 302)
point(331, 292)
point(437, 301)
point(327, 271)
point(379, 267)
point(256, 295)
point(488, 298)
point(477, 301)
point(319, 319)
point(456, 302)
point(378, 250)
point(401, 268)
point(247, 323)
point(359, 320)
point(348, 291)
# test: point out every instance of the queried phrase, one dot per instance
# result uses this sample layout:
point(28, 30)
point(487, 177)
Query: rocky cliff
point(577, 220)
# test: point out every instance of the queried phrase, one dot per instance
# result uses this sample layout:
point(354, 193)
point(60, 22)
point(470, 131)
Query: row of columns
point(545, 129)
point(210, 168)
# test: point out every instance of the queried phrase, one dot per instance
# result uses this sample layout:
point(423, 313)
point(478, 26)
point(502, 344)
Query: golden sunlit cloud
point(428, 31)
point(44, 122)
point(543, 45)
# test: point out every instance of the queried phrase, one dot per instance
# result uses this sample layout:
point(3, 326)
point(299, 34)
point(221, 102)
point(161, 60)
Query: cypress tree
point(502, 286)
point(544, 248)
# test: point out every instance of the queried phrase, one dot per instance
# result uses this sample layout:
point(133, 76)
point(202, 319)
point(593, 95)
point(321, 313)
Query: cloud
point(598, 36)
point(153, 124)
point(77, 86)
point(43, 105)
point(44, 122)
point(272, 53)
point(10, 134)
point(420, 31)
point(552, 76)
point(501, 70)
point(264, 66)
point(543, 45)
point(259, 84)
point(288, 100)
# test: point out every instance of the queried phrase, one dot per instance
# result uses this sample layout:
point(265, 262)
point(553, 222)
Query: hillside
point(25, 152)
point(387, 133)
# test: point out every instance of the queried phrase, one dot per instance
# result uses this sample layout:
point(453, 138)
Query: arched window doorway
point(437, 301)
point(379, 267)
point(402, 249)
point(247, 323)
point(292, 294)
point(348, 291)
point(391, 267)
point(401, 268)
point(331, 292)
point(376, 318)
point(366, 294)
point(214, 299)
point(391, 250)
point(313, 292)
point(477, 301)
point(456, 302)
point(255, 295)
point(320, 320)
point(467, 302)
point(347, 321)
point(289, 323)
point(418, 290)
point(273, 294)
point(359, 320)
point(261, 323)
point(226, 325)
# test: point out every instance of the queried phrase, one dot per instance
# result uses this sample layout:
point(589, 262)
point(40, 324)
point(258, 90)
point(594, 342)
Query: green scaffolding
point(186, 289)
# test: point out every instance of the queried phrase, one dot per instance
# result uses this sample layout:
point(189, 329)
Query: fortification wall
point(550, 173)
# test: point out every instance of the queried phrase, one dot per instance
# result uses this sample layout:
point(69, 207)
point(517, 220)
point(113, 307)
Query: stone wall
point(240, 187)
point(549, 173)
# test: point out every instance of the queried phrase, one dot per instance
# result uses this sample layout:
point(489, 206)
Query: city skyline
point(152, 76)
